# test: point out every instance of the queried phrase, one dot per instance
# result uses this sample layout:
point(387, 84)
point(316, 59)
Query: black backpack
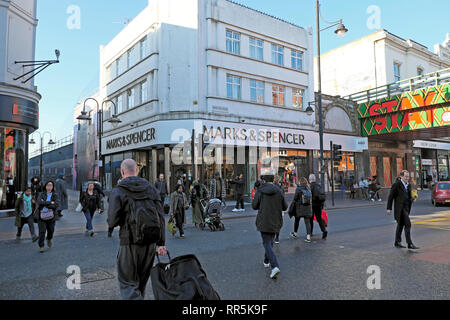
point(306, 197)
point(143, 219)
point(319, 194)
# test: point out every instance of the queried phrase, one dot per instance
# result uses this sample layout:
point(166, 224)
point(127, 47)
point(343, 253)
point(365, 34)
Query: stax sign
point(131, 139)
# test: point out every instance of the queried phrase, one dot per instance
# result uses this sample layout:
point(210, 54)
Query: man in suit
point(401, 193)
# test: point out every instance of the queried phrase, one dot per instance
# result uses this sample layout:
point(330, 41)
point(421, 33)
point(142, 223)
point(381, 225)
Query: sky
point(63, 85)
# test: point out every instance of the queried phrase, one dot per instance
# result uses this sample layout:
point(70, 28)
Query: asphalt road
point(332, 269)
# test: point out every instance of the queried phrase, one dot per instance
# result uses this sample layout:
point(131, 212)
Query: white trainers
point(236, 210)
point(266, 265)
point(275, 272)
point(294, 235)
point(308, 238)
point(379, 200)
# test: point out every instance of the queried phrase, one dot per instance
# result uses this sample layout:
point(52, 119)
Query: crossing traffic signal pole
point(332, 171)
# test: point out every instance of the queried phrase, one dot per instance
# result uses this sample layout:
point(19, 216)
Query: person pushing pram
point(212, 215)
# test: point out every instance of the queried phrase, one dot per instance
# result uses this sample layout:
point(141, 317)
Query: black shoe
point(412, 247)
point(325, 235)
point(399, 245)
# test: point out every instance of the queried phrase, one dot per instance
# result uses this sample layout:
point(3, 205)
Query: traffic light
point(337, 152)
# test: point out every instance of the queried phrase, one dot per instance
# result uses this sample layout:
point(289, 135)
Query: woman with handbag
point(303, 201)
point(178, 206)
point(47, 203)
point(90, 202)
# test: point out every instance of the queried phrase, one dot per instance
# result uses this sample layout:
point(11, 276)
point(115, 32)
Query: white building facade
point(376, 60)
point(240, 77)
point(18, 101)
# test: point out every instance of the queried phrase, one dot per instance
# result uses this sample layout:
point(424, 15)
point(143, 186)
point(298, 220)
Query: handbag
point(47, 215)
point(79, 207)
point(324, 218)
point(172, 227)
point(183, 278)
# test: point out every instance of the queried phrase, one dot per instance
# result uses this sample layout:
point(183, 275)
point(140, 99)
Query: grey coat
point(61, 192)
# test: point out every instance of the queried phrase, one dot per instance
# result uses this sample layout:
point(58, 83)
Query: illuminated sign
point(420, 109)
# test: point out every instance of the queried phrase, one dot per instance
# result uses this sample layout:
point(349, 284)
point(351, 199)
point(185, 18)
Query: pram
point(211, 215)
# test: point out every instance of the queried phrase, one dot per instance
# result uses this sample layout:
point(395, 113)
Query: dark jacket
point(61, 191)
point(85, 197)
point(36, 187)
point(240, 185)
point(403, 199)
point(302, 210)
point(161, 186)
point(99, 189)
point(280, 187)
point(118, 207)
point(270, 203)
point(42, 203)
point(316, 188)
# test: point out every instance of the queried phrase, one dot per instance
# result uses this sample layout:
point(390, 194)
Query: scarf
point(27, 206)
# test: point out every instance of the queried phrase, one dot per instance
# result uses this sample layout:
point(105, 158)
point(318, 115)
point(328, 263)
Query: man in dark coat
point(317, 206)
point(401, 193)
point(240, 186)
point(270, 203)
point(134, 261)
point(161, 186)
point(61, 191)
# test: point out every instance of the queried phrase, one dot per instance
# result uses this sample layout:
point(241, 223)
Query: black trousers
point(179, 220)
point(403, 222)
point(317, 212)
point(307, 224)
point(45, 227)
point(134, 263)
point(30, 222)
point(240, 201)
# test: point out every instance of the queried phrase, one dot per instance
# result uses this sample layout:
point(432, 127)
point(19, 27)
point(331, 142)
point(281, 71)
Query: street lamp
point(51, 142)
point(341, 30)
point(85, 116)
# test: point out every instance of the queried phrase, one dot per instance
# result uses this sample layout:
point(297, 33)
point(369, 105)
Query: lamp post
point(85, 116)
point(340, 31)
point(51, 142)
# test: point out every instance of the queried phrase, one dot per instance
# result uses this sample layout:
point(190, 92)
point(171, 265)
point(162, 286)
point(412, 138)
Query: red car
point(440, 193)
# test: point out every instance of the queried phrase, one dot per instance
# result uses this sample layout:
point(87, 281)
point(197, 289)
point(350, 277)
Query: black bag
point(143, 221)
point(166, 205)
point(183, 278)
point(319, 194)
point(292, 209)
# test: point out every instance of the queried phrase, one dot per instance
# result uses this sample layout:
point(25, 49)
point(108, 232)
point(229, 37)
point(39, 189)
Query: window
point(297, 98)
point(118, 67)
point(109, 75)
point(397, 72)
point(131, 93)
point(233, 87)
point(129, 59)
point(277, 55)
point(233, 42)
point(277, 95)
point(144, 89)
point(143, 50)
point(297, 60)
point(256, 49)
point(419, 71)
point(257, 91)
point(119, 104)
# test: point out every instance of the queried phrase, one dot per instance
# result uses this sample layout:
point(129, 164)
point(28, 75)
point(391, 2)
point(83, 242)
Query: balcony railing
point(58, 144)
point(390, 90)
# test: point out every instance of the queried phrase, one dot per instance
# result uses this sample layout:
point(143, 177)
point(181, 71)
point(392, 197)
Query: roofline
point(266, 14)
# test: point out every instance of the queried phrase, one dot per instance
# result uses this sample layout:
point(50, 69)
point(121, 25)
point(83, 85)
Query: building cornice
point(15, 91)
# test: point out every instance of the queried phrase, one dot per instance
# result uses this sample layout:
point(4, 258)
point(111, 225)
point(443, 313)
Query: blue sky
point(63, 85)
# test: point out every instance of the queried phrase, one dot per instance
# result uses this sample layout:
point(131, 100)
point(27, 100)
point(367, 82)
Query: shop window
point(387, 172)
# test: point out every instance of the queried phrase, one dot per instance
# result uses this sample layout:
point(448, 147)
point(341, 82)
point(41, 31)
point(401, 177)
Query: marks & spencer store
point(229, 148)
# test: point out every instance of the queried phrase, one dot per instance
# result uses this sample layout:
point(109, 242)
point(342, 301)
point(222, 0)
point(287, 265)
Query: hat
point(61, 175)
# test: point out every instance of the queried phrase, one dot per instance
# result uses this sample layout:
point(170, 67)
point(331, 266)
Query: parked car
point(440, 193)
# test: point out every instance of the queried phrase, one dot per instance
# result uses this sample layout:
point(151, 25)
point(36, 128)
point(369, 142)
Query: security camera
point(58, 53)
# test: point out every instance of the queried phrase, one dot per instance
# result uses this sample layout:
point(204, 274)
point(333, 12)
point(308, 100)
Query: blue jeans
point(89, 216)
point(269, 256)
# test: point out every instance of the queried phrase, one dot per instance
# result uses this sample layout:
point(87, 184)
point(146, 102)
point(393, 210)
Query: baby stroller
point(211, 215)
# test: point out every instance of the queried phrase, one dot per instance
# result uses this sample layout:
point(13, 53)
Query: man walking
point(61, 191)
point(318, 199)
point(270, 203)
point(135, 257)
point(161, 186)
point(217, 188)
point(240, 186)
point(401, 193)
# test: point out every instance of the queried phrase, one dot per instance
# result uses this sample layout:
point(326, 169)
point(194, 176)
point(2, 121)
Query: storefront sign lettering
point(131, 139)
point(253, 135)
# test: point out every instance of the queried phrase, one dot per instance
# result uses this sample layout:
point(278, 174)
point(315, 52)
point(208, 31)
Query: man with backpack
point(318, 200)
point(135, 206)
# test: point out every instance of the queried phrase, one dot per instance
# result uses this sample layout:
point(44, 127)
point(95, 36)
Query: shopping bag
point(183, 278)
point(324, 218)
point(172, 227)
point(79, 207)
